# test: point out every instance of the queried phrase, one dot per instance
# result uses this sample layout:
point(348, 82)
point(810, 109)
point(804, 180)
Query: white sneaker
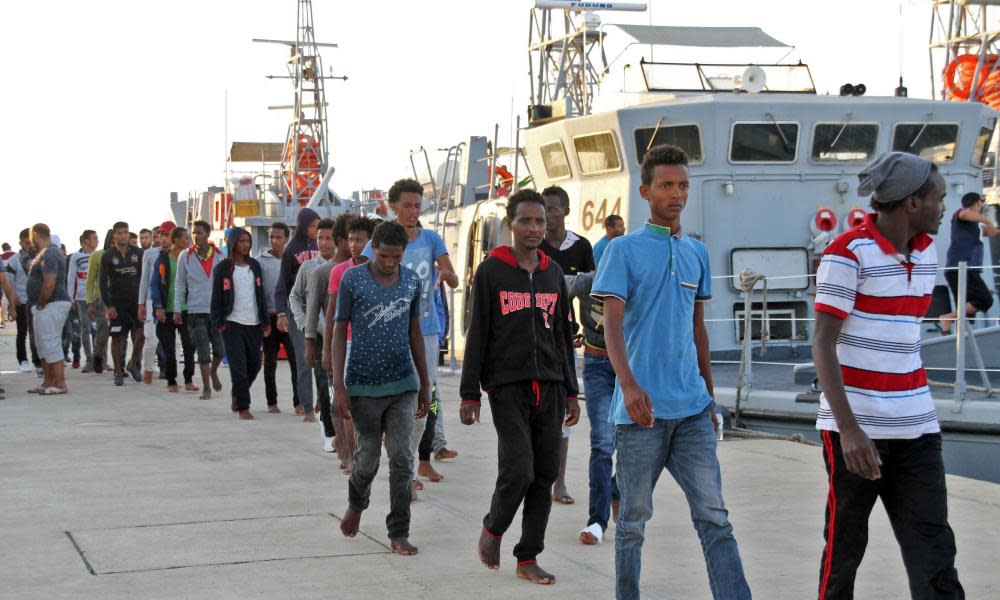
point(26, 367)
point(594, 530)
point(327, 444)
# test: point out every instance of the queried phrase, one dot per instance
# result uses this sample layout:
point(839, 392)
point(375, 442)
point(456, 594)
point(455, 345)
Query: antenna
point(305, 157)
point(562, 69)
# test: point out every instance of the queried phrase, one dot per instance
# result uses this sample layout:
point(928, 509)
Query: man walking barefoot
point(238, 312)
point(193, 289)
point(161, 291)
point(520, 349)
point(378, 389)
point(270, 264)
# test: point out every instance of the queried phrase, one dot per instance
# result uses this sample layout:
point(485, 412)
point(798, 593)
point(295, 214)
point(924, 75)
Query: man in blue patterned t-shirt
point(380, 392)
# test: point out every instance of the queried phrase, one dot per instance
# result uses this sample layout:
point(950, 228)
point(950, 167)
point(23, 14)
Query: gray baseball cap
point(893, 176)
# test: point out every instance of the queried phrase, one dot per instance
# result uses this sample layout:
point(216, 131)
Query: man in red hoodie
point(520, 316)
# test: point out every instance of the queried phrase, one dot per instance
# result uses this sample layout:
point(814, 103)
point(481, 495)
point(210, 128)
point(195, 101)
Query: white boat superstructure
point(773, 164)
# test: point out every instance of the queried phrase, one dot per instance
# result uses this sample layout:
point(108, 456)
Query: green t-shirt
point(171, 286)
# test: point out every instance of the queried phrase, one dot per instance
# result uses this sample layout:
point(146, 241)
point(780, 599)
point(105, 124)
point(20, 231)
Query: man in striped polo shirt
point(881, 437)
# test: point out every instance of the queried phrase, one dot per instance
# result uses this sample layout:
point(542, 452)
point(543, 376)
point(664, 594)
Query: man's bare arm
point(637, 403)
point(859, 452)
point(420, 362)
point(327, 359)
point(48, 286)
point(338, 351)
point(8, 289)
point(446, 272)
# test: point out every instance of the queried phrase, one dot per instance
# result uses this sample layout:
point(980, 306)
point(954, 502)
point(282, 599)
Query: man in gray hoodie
point(316, 303)
point(300, 249)
point(270, 265)
point(302, 294)
point(194, 287)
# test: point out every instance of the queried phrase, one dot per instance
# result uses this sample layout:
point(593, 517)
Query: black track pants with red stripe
point(528, 417)
point(912, 489)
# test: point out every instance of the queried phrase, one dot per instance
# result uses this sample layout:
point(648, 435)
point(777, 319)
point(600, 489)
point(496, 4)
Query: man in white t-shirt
point(160, 242)
point(76, 285)
point(238, 311)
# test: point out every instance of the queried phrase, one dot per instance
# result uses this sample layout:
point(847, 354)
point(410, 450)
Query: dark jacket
point(520, 329)
point(159, 283)
point(591, 309)
point(223, 293)
point(299, 250)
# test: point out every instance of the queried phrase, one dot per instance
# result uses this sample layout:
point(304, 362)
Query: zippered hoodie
point(224, 292)
point(270, 266)
point(148, 258)
point(299, 250)
point(194, 282)
point(299, 295)
point(520, 327)
point(159, 282)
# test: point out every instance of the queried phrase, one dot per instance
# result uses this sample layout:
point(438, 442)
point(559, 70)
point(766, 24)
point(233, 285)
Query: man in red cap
point(160, 243)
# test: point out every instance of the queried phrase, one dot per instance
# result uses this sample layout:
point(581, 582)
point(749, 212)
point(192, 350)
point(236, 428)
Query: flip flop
point(51, 391)
point(567, 499)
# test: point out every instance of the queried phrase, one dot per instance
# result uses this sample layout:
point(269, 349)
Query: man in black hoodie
point(301, 248)
point(238, 312)
point(520, 317)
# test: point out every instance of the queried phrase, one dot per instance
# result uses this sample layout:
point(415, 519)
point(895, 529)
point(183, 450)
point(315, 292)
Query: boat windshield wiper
point(788, 146)
point(836, 138)
point(655, 131)
point(921, 132)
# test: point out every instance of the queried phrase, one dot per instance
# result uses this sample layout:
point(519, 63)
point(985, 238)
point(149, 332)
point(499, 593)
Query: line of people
point(646, 306)
point(359, 306)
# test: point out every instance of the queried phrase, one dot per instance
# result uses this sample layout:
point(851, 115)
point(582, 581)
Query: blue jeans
point(685, 447)
point(599, 385)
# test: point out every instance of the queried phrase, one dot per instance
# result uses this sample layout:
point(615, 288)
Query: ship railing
point(496, 153)
point(964, 337)
point(444, 194)
point(723, 77)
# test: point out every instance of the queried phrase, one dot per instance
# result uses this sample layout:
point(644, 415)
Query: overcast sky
point(108, 106)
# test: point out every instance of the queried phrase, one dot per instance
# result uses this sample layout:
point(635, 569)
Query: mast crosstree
point(305, 156)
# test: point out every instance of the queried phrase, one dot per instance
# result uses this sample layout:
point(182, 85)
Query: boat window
point(982, 145)
point(764, 142)
point(686, 137)
point(554, 159)
point(835, 142)
point(597, 153)
point(934, 141)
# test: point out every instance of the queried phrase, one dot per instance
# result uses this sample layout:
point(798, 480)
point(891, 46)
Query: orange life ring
point(965, 67)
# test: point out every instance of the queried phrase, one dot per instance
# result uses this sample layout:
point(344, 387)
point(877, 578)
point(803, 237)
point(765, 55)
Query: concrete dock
point(136, 493)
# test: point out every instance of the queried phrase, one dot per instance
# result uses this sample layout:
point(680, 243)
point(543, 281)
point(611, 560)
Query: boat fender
point(823, 226)
point(855, 217)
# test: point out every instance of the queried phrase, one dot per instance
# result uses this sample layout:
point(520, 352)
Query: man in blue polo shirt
point(653, 282)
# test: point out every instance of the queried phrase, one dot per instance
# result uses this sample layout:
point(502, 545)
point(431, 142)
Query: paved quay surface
point(135, 493)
